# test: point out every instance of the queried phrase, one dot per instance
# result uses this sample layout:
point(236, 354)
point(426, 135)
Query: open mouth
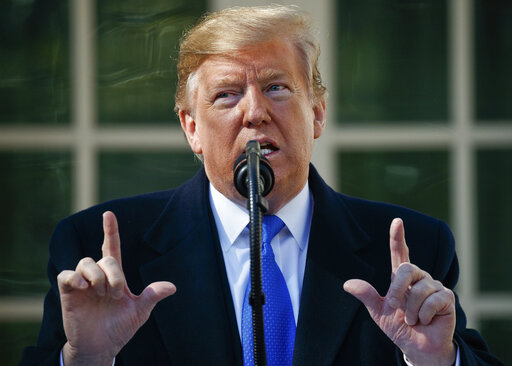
point(267, 148)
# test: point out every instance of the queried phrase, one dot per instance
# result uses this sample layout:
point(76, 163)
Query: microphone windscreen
point(240, 171)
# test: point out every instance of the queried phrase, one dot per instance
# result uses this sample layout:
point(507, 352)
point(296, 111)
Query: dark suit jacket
point(171, 236)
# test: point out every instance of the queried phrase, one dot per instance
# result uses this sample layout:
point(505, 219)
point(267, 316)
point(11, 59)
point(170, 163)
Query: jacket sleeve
point(472, 347)
point(64, 254)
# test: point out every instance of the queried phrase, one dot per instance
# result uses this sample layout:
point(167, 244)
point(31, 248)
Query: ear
point(319, 110)
point(189, 127)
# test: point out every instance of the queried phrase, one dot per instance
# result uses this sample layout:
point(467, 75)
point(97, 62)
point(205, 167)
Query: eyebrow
point(228, 80)
point(267, 75)
point(263, 77)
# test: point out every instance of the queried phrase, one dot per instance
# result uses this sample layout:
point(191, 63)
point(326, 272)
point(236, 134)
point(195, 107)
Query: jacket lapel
point(326, 310)
point(195, 323)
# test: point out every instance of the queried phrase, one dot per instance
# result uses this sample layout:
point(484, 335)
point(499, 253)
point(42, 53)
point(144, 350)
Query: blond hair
point(237, 28)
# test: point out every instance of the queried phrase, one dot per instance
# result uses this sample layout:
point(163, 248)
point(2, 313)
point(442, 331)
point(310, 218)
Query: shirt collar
point(232, 218)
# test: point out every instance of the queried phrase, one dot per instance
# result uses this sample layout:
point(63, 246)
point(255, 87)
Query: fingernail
point(83, 284)
point(394, 303)
point(409, 321)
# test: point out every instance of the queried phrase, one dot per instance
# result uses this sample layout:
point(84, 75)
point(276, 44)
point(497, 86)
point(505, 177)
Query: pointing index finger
point(111, 242)
point(397, 245)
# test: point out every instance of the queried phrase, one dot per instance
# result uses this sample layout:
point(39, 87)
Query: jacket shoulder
point(81, 234)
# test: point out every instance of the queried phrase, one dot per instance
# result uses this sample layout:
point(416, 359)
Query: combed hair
point(237, 28)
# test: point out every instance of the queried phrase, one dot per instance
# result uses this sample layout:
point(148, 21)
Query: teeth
point(266, 148)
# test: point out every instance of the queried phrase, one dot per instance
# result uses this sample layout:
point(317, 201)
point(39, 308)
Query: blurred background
point(419, 114)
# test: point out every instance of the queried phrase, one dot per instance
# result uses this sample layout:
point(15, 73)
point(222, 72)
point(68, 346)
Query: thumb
point(155, 292)
point(365, 293)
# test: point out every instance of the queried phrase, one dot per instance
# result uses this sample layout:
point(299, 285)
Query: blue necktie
point(279, 323)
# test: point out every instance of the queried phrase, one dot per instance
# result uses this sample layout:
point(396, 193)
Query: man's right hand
point(99, 312)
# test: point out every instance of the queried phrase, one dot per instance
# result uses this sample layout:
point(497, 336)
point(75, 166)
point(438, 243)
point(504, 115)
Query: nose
point(254, 107)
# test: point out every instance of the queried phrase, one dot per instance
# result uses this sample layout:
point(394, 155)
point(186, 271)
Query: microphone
point(243, 164)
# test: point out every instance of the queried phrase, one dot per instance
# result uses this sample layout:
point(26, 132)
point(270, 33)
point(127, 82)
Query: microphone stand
point(257, 206)
point(253, 183)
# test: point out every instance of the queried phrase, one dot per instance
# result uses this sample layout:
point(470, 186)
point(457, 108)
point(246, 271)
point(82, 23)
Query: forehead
point(267, 60)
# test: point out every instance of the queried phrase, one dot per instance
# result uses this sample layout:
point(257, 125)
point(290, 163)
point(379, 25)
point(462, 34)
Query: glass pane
point(391, 61)
point(14, 337)
point(36, 195)
point(129, 173)
point(494, 218)
point(493, 54)
point(497, 334)
point(137, 44)
point(34, 62)
point(418, 180)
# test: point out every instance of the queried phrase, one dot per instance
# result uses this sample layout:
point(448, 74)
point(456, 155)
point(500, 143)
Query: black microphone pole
point(254, 184)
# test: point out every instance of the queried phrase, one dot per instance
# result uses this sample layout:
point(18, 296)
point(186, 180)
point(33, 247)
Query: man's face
point(256, 94)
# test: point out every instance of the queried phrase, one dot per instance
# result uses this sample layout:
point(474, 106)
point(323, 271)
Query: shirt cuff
point(457, 359)
point(61, 360)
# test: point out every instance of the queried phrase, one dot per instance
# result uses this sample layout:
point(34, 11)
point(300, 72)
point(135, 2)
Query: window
point(86, 115)
point(419, 114)
point(423, 119)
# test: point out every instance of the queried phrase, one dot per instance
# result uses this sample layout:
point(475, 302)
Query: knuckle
point(431, 302)
point(447, 294)
point(452, 295)
point(86, 261)
point(404, 275)
point(437, 301)
point(438, 283)
point(418, 291)
point(64, 276)
point(406, 269)
point(427, 276)
point(423, 288)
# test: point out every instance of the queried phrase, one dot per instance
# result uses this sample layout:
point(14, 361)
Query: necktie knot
point(271, 226)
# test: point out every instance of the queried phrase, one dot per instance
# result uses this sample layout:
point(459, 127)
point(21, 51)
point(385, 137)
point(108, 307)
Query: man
point(251, 74)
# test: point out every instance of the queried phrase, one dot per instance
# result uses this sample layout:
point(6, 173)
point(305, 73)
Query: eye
point(275, 87)
point(222, 95)
point(224, 99)
point(278, 92)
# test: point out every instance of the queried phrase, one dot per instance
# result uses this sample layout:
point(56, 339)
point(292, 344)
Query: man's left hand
point(417, 313)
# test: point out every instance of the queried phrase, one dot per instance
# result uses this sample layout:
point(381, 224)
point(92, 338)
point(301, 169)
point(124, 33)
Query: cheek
point(302, 127)
point(225, 125)
point(219, 143)
point(303, 140)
